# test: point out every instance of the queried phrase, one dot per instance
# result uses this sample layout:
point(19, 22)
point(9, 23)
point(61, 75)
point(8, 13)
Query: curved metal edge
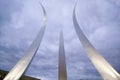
point(103, 67)
point(18, 70)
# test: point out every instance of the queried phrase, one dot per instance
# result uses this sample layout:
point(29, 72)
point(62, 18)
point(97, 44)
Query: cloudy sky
point(20, 21)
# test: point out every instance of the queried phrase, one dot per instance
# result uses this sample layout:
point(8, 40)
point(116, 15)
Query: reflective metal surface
point(19, 69)
point(103, 67)
point(62, 61)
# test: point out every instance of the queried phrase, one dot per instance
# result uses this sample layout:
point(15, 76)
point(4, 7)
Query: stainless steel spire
point(103, 67)
point(62, 62)
point(25, 61)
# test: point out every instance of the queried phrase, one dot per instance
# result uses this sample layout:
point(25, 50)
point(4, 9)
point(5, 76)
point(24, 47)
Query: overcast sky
point(20, 21)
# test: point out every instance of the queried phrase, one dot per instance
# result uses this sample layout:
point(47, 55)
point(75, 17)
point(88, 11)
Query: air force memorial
point(106, 71)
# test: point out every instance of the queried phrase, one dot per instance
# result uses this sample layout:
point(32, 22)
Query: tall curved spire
point(103, 67)
point(22, 65)
point(62, 61)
